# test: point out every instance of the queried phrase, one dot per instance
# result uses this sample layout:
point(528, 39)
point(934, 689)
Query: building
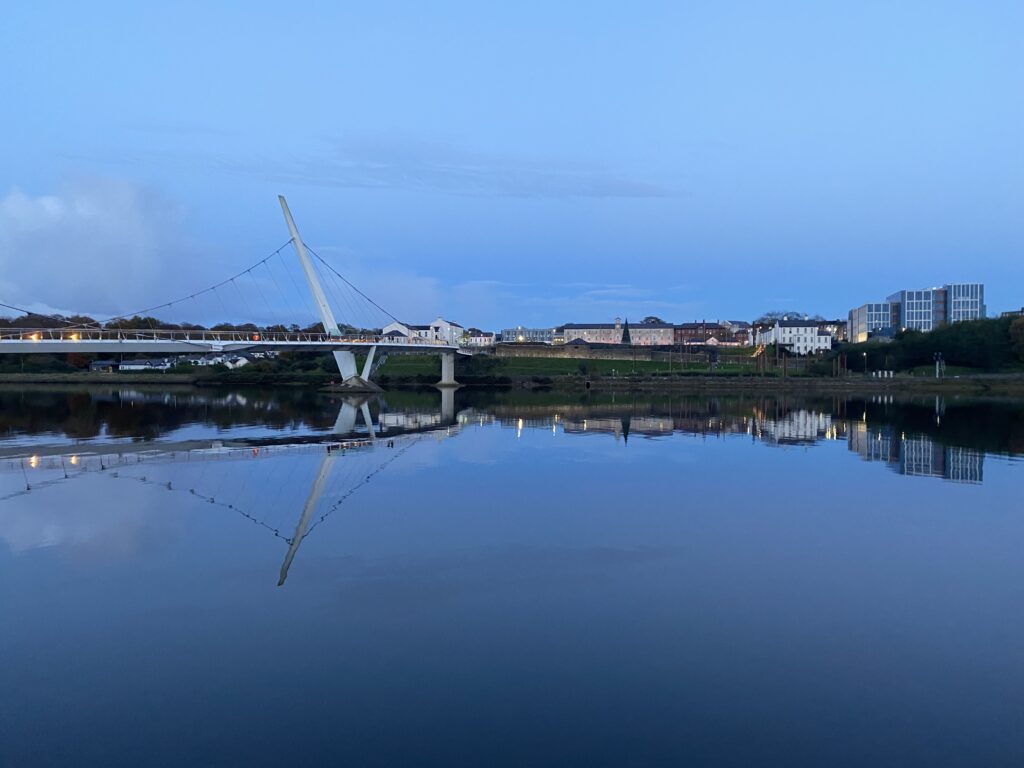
point(474, 337)
point(706, 333)
point(801, 337)
point(652, 334)
point(928, 308)
point(1014, 313)
point(398, 331)
point(694, 333)
point(835, 328)
point(144, 365)
point(917, 310)
point(641, 334)
point(741, 331)
point(440, 330)
point(964, 301)
point(102, 366)
point(867, 320)
point(922, 310)
point(447, 331)
point(521, 335)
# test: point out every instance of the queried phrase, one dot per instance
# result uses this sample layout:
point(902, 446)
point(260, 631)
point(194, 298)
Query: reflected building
point(916, 456)
point(800, 427)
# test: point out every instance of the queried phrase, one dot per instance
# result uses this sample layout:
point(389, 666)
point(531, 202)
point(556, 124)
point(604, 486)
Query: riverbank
point(981, 384)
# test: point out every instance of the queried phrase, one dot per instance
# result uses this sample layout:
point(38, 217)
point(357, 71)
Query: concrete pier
point(447, 370)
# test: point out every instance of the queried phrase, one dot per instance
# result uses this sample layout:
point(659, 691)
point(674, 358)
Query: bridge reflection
point(289, 484)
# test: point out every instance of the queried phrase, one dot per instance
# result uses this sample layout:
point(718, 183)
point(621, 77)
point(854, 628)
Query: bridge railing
point(204, 336)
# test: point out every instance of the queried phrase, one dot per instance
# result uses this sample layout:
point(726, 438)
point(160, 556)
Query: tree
point(1017, 337)
point(625, 333)
point(776, 314)
point(652, 319)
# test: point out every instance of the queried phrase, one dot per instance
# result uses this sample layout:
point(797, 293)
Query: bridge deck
point(92, 341)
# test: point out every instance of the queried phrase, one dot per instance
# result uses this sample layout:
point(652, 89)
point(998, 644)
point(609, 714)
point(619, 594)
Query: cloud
point(96, 245)
point(381, 164)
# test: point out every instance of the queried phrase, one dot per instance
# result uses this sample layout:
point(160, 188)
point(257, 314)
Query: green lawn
point(429, 365)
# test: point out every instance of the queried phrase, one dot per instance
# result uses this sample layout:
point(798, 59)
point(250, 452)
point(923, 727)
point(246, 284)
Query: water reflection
point(658, 559)
point(312, 453)
point(52, 416)
point(917, 455)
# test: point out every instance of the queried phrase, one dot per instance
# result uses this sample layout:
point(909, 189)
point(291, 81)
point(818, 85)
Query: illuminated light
point(35, 337)
point(33, 462)
point(74, 461)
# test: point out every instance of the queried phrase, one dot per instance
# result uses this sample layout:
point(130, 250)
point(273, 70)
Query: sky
point(527, 163)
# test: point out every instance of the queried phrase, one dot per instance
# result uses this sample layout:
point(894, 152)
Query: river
point(282, 577)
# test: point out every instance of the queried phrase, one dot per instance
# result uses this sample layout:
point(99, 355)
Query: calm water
point(192, 578)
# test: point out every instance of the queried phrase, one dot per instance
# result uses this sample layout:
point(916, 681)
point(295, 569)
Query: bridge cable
point(353, 287)
point(192, 295)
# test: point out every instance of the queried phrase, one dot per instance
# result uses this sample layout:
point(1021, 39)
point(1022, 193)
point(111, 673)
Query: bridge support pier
point(447, 370)
point(351, 381)
point(346, 365)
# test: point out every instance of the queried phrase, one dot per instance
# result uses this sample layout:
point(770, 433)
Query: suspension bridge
point(268, 288)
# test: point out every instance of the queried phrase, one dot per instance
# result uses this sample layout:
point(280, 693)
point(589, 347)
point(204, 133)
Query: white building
point(474, 337)
point(447, 331)
point(441, 330)
point(144, 365)
point(801, 337)
point(409, 331)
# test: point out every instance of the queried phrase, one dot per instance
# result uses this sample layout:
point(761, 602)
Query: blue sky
point(530, 164)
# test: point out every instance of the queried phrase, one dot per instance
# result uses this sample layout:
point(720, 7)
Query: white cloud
point(96, 245)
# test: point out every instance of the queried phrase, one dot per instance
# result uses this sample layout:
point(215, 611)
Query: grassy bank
point(402, 371)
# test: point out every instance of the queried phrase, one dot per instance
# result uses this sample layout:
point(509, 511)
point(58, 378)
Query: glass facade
point(922, 310)
point(965, 301)
point(867, 319)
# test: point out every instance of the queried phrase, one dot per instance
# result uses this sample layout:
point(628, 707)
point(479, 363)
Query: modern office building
point(918, 310)
point(922, 310)
point(964, 301)
point(868, 320)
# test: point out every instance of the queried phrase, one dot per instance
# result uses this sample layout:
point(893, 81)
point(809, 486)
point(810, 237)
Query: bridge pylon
point(350, 378)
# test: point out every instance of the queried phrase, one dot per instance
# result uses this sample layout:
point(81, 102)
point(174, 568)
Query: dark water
point(192, 578)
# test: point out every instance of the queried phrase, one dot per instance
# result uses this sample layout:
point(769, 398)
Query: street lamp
point(865, 363)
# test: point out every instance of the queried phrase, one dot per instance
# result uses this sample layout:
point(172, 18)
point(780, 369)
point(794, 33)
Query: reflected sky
point(521, 580)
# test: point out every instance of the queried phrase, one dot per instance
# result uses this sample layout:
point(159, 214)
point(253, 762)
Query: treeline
point(988, 345)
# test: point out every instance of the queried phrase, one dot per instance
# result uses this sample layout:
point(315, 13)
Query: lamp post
point(865, 354)
point(939, 364)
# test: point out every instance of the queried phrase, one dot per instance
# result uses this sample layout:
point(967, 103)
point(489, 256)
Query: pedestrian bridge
point(158, 341)
point(267, 278)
